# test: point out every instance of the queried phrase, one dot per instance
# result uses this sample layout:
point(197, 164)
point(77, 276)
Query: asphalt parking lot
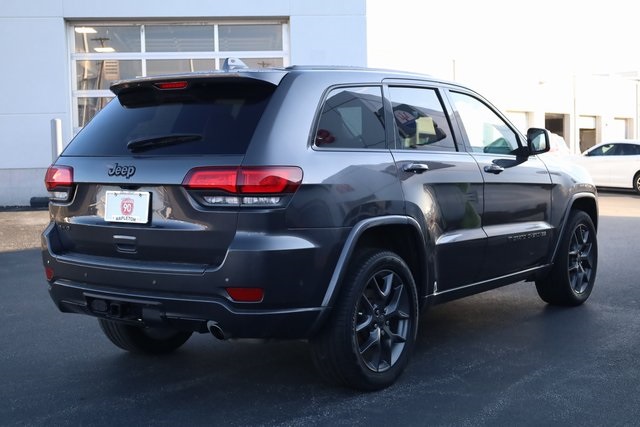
point(499, 358)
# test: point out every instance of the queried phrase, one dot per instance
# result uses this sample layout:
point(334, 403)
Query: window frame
point(446, 110)
point(455, 116)
point(318, 118)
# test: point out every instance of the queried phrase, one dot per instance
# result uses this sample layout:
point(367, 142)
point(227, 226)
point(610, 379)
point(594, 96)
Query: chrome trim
point(461, 236)
point(517, 228)
point(495, 279)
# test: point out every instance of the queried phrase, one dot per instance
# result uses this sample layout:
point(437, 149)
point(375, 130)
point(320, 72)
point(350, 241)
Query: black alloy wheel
point(581, 259)
point(382, 320)
point(571, 279)
point(367, 342)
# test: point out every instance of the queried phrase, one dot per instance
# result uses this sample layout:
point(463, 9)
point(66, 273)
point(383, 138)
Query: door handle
point(415, 167)
point(493, 168)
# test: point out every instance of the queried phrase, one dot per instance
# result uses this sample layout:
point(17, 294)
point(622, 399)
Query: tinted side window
point(352, 118)
point(604, 150)
point(485, 130)
point(627, 150)
point(420, 120)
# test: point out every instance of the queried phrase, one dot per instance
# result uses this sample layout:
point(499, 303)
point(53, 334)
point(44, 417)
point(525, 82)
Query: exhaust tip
point(215, 330)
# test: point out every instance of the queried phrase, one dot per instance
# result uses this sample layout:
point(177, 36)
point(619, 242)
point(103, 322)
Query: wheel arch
point(586, 202)
point(400, 234)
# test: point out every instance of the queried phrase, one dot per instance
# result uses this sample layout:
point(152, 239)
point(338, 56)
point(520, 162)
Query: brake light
point(260, 186)
point(276, 180)
point(172, 85)
point(59, 182)
point(212, 179)
point(258, 180)
point(58, 176)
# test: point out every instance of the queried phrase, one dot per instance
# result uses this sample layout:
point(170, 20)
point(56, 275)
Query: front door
point(517, 189)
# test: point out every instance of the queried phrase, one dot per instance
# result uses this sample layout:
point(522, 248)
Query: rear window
point(206, 118)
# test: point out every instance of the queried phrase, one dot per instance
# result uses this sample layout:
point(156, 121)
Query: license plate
point(127, 206)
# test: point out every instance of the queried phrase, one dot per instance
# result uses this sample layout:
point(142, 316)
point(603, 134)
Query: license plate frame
point(131, 207)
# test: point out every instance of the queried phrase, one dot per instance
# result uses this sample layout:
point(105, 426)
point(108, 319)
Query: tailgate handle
point(125, 244)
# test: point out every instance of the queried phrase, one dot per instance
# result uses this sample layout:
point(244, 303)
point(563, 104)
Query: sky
point(541, 38)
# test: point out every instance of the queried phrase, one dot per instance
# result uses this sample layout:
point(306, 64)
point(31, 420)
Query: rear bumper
point(293, 270)
point(188, 313)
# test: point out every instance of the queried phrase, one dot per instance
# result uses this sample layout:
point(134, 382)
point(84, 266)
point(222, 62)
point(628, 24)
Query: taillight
point(59, 182)
point(246, 186)
point(212, 179)
point(269, 180)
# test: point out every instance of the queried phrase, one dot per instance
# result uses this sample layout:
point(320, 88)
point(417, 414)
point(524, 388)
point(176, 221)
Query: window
point(352, 118)
point(221, 121)
point(420, 120)
point(103, 53)
point(486, 132)
point(615, 150)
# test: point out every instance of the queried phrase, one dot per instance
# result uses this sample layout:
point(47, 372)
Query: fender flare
point(565, 219)
point(351, 242)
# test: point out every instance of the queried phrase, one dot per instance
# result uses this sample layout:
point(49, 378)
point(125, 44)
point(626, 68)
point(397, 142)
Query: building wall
point(36, 79)
point(36, 83)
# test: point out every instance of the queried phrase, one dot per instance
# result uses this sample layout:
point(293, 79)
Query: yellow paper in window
point(425, 126)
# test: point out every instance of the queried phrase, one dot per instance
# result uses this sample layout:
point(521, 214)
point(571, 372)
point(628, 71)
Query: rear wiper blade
point(144, 144)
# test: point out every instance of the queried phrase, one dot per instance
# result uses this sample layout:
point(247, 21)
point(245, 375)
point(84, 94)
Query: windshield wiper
point(144, 144)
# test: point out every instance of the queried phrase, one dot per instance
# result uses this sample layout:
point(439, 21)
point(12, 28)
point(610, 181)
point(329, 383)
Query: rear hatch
point(151, 180)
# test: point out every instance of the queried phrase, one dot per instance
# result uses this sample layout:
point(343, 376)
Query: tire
point(636, 182)
point(367, 342)
point(143, 340)
point(571, 279)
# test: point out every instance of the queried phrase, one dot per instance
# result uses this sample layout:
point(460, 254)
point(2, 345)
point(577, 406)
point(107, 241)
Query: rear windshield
point(207, 118)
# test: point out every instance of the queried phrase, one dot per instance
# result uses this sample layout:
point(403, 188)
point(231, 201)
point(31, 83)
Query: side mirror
point(538, 140)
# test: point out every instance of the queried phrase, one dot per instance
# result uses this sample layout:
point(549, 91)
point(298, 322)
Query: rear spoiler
point(188, 88)
point(271, 76)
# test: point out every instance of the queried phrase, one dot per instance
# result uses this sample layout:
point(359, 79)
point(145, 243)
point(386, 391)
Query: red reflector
point(246, 294)
point(48, 271)
point(253, 180)
point(58, 176)
point(172, 85)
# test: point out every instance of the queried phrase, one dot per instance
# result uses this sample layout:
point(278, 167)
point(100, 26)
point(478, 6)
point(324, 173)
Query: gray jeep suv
point(328, 204)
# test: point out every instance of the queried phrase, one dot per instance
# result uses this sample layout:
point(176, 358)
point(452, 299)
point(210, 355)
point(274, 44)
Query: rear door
point(442, 184)
point(133, 168)
point(517, 189)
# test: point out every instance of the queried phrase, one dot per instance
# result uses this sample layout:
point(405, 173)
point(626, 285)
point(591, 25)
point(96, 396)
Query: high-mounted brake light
point(172, 85)
point(58, 176)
